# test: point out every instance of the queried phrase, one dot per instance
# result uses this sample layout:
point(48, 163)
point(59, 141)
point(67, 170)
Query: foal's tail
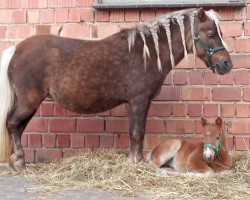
point(6, 103)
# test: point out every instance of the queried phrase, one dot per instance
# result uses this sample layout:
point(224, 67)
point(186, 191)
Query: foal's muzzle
point(208, 154)
point(223, 66)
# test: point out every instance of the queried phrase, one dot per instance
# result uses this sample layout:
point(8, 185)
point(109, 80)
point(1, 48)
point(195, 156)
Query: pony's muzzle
point(223, 66)
point(208, 154)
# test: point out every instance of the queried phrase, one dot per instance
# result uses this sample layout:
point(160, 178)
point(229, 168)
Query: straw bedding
point(108, 170)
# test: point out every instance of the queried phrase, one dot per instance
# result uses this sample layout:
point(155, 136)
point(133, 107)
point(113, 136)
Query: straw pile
point(108, 170)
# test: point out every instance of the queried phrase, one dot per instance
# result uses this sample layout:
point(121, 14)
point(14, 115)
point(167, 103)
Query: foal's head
point(210, 46)
point(212, 137)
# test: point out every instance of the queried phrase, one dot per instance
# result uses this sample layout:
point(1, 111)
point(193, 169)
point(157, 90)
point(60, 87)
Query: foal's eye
point(217, 138)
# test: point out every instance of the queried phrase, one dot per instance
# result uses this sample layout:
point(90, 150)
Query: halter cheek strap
point(209, 51)
point(216, 148)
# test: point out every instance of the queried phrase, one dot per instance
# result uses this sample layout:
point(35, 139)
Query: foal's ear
point(203, 121)
point(201, 15)
point(218, 121)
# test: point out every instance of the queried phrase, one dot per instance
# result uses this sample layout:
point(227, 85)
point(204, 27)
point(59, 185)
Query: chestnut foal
point(203, 158)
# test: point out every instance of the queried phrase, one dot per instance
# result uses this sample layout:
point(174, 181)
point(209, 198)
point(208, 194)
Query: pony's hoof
point(17, 162)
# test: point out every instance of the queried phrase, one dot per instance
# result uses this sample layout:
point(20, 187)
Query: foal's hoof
point(17, 162)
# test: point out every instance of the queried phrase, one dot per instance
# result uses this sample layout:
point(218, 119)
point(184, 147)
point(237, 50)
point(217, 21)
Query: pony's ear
point(201, 15)
point(218, 121)
point(203, 121)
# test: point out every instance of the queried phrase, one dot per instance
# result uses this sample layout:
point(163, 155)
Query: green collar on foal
point(216, 148)
point(209, 50)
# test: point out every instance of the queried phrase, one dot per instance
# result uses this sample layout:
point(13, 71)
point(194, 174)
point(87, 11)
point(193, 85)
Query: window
point(109, 4)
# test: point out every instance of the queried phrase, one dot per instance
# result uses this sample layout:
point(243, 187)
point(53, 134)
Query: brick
point(85, 3)
point(231, 29)
point(33, 16)
point(164, 110)
point(3, 32)
point(117, 125)
point(179, 110)
point(168, 79)
point(62, 15)
point(26, 31)
point(210, 110)
point(194, 110)
point(62, 125)
point(120, 111)
point(86, 15)
point(93, 141)
point(243, 110)
point(106, 141)
point(227, 110)
point(71, 152)
point(77, 140)
point(210, 78)
point(239, 127)
point(122, 141)
point(248, 12)
point(242, 143)
point(132, 15)
point(102, 31)
point(62, 3)
point(242, 45)
point(240, 61)
point(247, 28)
point(77, 31)
point(226, 13)
point(56, 29)
point(152, 110)
point(47, 109)
point(195, 77)
point(246, 93)
point(63, 141)
point(20, 17)
point(48, 16)
point(147, 15)
point(35, 4)
point(179, 126)
point(35, 140)
point(242, 77)
point(198, 127)
point(29, 155)
point(151, 141)
point(168, 93)
point(195, 94)
point(195, 138)
point(155, 126)
point(90, 125)
point(180, 77)
point(43, 29)
point(117, 15)
point(36, 125)
point(6, 44)
point(11, 4)
point(230, 43)
point(227, 79)
point(24, 140)
point(189, 64)
point(74, 15)
point(226, 94)
point(162, 11)
point(239, 13)
point(6, 17)
point(48, 155)
point(49, 140)
point(59, 111)
point(13, 32)
point(230, 142)
point(102, 16)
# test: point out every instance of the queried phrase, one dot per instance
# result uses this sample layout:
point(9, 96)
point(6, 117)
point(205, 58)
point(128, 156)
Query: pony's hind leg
point(17, 120)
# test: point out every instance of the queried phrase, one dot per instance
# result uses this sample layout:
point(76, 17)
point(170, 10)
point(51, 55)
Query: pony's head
point(209, 44)
point(212, 137)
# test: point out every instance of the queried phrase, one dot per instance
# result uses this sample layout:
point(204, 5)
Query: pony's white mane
point(152, 28)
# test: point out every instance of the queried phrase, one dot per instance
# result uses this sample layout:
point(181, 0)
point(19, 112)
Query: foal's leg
point(17, 120)
point(138, 109)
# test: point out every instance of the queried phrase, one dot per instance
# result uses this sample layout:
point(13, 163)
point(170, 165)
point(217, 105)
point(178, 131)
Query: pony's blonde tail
point(6, 103)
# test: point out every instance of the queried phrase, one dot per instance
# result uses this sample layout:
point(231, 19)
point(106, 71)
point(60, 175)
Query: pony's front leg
point(138, 109)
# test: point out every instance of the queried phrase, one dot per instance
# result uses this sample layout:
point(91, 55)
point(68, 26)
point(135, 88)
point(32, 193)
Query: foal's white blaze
point(208, 154)
point(208, 133)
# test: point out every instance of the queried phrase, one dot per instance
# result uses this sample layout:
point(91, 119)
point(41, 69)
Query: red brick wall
point(187, 94)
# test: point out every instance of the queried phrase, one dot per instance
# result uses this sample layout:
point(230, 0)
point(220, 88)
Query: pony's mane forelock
point(164, 21)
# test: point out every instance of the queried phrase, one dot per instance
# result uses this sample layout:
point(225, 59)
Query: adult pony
point(94, 76)
point(203, 158)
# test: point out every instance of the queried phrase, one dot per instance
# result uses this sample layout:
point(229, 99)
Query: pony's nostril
point(228, 64)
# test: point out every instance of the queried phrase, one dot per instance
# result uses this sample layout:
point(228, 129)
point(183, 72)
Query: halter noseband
point(216, 148)
point(208, 50)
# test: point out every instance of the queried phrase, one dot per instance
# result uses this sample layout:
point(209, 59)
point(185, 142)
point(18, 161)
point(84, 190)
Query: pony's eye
point(217, 138)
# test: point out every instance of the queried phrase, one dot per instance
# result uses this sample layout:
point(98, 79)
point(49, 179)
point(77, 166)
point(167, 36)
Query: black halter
point(208, 50)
